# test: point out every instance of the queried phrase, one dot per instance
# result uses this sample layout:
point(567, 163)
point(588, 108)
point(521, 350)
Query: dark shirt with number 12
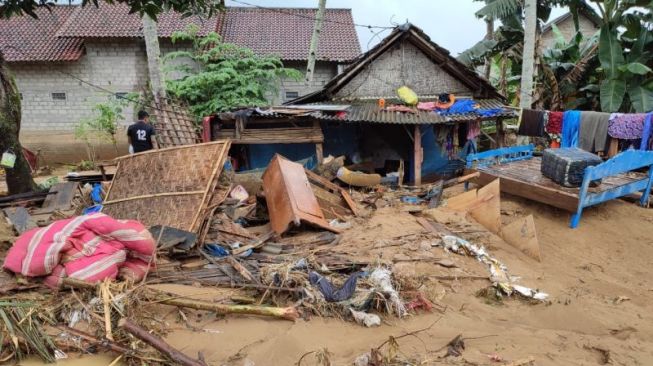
point(141, 136)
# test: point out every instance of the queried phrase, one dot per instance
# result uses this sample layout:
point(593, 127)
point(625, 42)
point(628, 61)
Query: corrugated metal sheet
point(370, 112)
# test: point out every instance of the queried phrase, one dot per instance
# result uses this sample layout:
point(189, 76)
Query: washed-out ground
point(598, 276)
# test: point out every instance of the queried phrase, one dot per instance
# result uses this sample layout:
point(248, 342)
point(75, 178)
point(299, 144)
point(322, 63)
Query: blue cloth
point(647, 132)
point(96, 193)
point(332, 294)
point(489, 112)
point(92, 209)
point(570, 129)
point(466, 106)
point(462, 106)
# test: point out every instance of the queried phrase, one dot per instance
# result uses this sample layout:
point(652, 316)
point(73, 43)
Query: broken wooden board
point(61, 200)
point(522, 235)
point(172, 187)
point(289, 196)
point(335, 201)
point(484, 205)
point(20, 219)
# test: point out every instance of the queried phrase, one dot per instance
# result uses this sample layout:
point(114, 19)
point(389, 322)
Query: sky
point(450, 23)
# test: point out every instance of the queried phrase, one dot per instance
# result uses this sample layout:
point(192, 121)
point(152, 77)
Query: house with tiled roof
point(73, 57)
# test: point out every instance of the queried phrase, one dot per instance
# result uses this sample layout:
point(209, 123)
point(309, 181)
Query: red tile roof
point(27, 39)
point(287, 32)
point(115, 21)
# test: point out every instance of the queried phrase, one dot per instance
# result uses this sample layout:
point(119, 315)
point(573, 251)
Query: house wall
point(404, 65)
point(117, 66)
point(324, 71)
point(568, 30)
point(48, 124)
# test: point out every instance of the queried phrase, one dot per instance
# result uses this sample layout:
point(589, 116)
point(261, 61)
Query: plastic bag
point(407, 95)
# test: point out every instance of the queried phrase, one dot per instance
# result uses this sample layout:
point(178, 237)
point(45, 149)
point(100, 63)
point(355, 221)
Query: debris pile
point(302, 244)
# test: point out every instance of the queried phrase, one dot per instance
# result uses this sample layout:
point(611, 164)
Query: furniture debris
point(484, 205)
point(289, 196)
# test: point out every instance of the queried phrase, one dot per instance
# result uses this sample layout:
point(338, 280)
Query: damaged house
point(357, 114)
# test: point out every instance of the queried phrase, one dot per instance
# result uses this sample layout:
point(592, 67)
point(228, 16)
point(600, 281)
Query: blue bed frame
point(624, 162)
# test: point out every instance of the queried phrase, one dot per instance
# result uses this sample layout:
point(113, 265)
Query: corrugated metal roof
point(371, 112)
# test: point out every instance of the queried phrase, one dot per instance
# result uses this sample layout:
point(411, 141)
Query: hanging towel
point(570, 125)
point(626, 126)
point(532, 123)
point(593, 133)
point(555, 122)
point(473, 129)
point(647, 132)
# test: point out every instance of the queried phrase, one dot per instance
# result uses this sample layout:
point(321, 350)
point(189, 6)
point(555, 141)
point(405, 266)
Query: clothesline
point(588, 130)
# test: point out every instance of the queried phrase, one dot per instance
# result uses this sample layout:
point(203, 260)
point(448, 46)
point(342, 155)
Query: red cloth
point(89, 248)
point(555, 122)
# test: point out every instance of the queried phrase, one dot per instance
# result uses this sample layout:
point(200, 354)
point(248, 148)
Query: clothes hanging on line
point(473, 129)
point(570, 127)
point(593, 133)
point(647, 133)
point(531, 123)
point(555, 123)
point(626, 126)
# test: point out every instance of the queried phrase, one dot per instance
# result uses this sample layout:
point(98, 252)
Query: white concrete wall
point(117, 66)
point(568, 30)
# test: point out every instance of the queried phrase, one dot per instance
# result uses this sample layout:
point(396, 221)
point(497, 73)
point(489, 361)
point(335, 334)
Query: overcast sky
point(450, 23)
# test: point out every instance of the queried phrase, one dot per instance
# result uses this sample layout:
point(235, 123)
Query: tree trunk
point(19, 178)
point(153, 58)
point(528, 61)
point(489, 34)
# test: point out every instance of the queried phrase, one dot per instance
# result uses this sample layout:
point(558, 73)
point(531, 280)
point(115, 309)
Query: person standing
point(140, 134)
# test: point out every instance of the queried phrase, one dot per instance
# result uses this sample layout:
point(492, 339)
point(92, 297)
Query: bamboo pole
point(288, 313)
point(164, 194)
point(158, 343)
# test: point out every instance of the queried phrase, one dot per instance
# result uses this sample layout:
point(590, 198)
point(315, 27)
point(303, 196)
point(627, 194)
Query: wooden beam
point(500, 132)
point(549, 196)
point(319, 153)
point(417, 155)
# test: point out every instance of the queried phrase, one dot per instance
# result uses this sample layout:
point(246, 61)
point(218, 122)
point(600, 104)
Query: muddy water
point(73, 360)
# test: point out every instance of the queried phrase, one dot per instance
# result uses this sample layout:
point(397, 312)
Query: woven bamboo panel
point(175, 126)
point(170, 187)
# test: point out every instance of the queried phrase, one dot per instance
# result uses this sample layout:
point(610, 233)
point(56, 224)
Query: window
point(58, 96)
point(121, 95)
point(290, 95)
point(21, 96)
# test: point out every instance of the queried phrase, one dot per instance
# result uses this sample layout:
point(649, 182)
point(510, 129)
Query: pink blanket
point(90, 248)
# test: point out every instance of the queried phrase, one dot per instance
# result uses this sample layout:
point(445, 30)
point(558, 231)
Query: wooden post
point(319, 153)
point(417, 155)
point(500, 132)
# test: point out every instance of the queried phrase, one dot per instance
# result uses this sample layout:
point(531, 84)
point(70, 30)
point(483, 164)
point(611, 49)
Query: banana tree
point(625, 45)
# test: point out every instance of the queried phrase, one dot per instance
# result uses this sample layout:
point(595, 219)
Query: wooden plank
point(522, 235)
point(484, 205)
point(488, 213)
point(552, 197)
point(321, 181)
point(417, 155)
point(61, 200)
point(20, 219)
point(291, 135)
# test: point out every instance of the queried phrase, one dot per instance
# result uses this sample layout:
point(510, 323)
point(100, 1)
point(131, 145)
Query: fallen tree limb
point(288, 313)
point(104, 343)
point(158, 343)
